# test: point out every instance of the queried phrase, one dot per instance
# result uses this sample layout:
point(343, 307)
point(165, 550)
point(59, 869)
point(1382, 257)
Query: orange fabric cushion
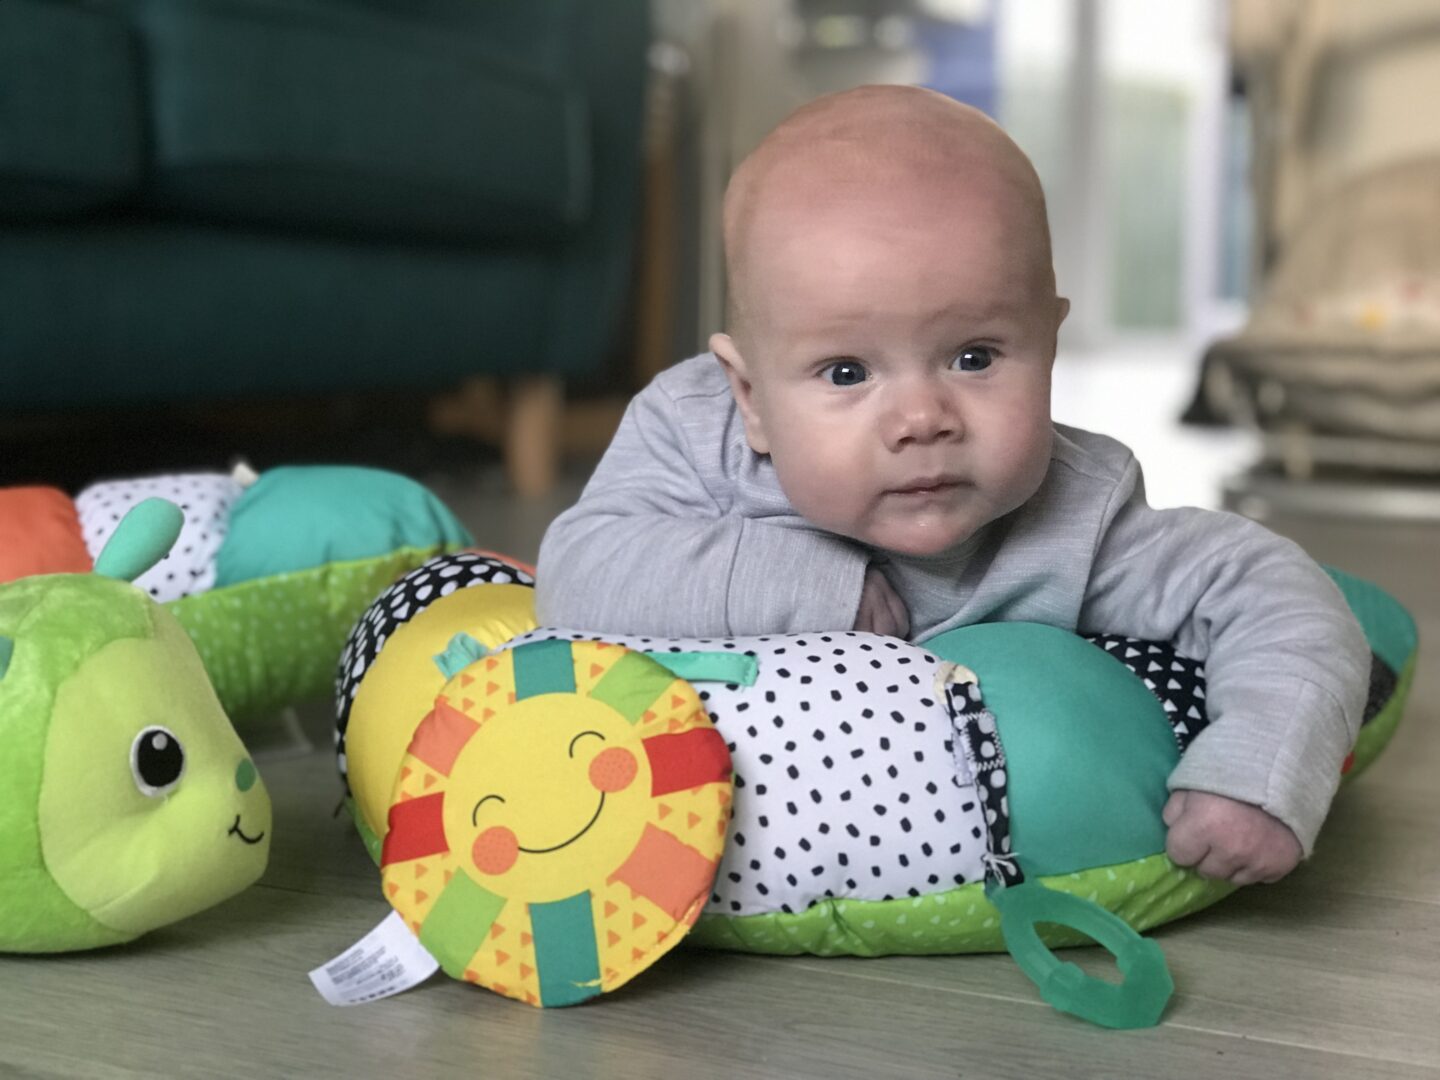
point(40, 534)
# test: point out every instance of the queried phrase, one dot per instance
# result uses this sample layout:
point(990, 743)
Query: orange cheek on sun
point(495, 850)
point(613, 769)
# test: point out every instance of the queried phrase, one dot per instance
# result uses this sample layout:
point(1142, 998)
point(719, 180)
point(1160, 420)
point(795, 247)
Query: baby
point(870, 447)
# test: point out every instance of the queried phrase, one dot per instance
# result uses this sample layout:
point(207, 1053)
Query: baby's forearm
point(1280, 748)
point(694, 577)
point(1286, 664)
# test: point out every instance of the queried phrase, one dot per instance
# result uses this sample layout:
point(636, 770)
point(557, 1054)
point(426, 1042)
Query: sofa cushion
point(72, 142)
point(325, 115)
point(143, 313)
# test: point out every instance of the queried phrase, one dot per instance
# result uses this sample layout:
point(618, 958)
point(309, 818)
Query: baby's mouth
point(937, 485)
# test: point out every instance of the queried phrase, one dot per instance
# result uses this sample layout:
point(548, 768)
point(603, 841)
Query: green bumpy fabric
point(274, 641)
point(1145, 893)
point(307, 550)
point(299, 518)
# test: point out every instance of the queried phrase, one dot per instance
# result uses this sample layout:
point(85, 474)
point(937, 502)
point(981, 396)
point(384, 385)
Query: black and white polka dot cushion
point(205, 499)
point(397, 605)
point(849, 781)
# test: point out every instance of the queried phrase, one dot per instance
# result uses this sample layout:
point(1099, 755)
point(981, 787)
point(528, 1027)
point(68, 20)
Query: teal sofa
point(209, 200)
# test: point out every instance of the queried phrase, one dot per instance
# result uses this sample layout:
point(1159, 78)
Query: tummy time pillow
point(888, 797)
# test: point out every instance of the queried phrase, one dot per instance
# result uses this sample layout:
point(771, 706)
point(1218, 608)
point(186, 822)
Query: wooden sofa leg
point(473, 409)
point(532, 434)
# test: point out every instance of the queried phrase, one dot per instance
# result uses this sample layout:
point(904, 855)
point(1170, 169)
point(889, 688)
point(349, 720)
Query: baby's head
point(892, 316)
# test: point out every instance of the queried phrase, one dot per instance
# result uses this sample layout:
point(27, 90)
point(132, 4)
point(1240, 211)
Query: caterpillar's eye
point(157, 761)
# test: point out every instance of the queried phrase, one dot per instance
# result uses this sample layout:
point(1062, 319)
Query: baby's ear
point(723, 346)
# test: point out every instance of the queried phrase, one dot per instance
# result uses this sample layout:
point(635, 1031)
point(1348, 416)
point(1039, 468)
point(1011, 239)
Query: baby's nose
point(922, 414)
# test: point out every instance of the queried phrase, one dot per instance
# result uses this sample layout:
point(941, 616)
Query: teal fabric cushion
point(69, 143)
point(1087, 761)
point(1390, 628)
point(298, 518)
point(324, 115)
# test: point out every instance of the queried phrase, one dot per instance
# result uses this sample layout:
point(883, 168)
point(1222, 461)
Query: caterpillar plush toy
point(128, 800)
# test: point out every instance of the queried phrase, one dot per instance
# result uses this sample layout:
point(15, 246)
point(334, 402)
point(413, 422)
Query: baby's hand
point(1224, 838)
point(881, 609)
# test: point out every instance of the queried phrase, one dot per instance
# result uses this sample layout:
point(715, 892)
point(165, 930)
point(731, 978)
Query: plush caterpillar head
point(128, 801)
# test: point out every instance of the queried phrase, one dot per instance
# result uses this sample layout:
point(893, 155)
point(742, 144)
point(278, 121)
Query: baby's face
point(896, 364)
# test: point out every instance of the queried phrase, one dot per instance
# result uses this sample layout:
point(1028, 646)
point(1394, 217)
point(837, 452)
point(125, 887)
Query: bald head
point(877, 150)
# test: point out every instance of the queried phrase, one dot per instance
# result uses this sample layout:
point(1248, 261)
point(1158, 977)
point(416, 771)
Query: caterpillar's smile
point(235, 830)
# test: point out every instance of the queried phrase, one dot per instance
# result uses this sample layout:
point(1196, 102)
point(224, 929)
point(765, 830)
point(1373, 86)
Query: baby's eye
point(846, 373)
point(974, 358)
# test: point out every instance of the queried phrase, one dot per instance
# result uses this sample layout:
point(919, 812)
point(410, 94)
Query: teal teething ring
point(1137, 1001)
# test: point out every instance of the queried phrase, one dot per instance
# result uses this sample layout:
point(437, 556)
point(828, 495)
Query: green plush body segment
point(274, 641)
point(1144, 892)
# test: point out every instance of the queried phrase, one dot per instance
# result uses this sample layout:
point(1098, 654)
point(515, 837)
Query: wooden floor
point(1335, 972)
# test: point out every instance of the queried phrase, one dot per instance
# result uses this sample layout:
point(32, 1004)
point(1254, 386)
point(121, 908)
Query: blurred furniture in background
point(219, 200)
point(1339, 365)
point(658, 333)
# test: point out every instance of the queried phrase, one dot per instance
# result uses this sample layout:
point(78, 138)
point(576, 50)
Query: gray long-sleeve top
point(683, 531)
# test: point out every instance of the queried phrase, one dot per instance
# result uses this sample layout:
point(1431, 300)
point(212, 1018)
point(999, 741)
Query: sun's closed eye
point(577, 738)
point(475, 814)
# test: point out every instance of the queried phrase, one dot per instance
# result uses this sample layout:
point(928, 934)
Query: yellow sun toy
point(557, 818)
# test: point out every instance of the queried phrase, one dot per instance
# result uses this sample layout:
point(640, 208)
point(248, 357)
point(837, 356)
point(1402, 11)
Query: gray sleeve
point(651, 549)
point(1286, 664)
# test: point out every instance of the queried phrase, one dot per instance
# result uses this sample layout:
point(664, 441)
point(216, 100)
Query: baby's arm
point(657, 545)
point(1286, 666)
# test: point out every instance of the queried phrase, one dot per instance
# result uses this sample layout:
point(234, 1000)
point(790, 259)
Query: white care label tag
point(385, 961)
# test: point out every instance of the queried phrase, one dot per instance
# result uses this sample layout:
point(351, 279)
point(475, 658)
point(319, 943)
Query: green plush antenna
point(143, 537)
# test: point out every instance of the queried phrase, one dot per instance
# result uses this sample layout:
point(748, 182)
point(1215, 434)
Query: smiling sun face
point(557, 820)
point(549, 795)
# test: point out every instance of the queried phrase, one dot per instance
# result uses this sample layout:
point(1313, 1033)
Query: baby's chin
point(917, 538)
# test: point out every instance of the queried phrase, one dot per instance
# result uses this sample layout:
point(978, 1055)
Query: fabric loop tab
point(721, 667)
